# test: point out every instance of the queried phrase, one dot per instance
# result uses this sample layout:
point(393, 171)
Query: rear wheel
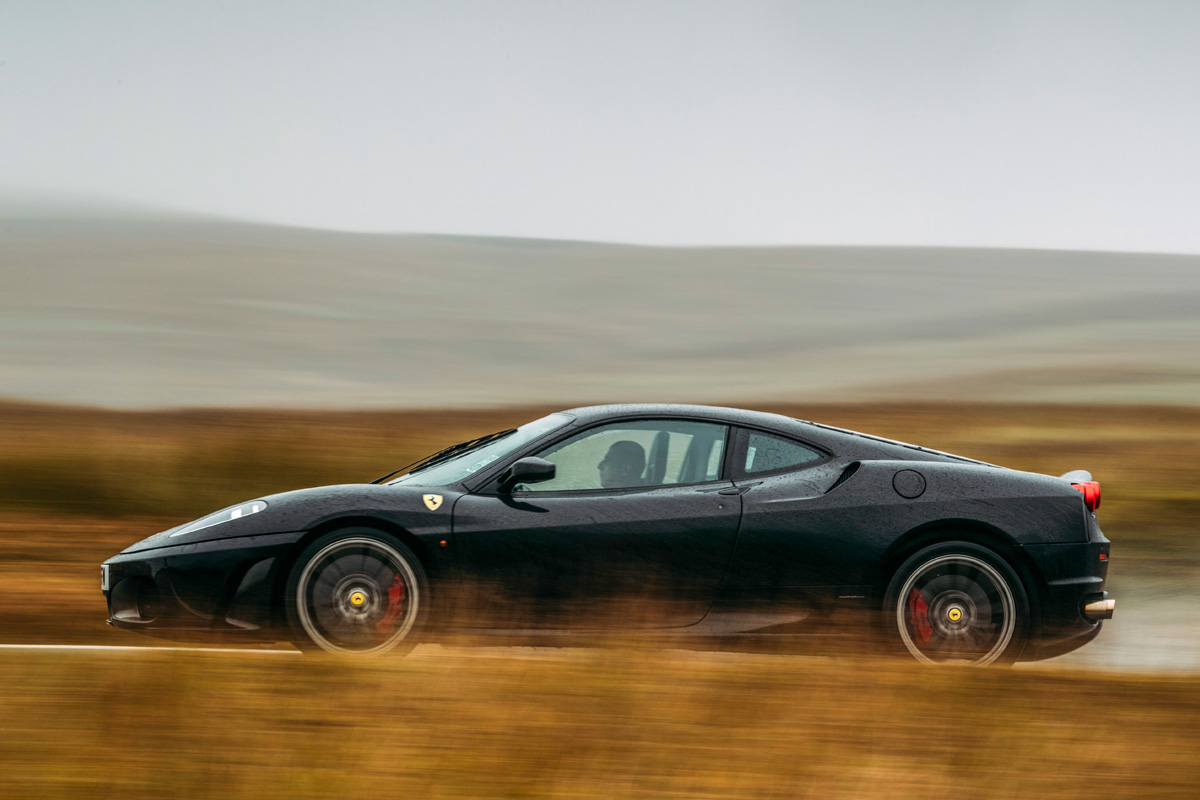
point(356, 591)
point(957, 602)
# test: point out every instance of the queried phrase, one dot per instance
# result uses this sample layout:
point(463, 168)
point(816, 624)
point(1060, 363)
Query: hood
point(305, 509)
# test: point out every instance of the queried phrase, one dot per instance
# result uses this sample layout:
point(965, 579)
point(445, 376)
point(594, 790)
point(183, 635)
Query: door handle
point(736, 490)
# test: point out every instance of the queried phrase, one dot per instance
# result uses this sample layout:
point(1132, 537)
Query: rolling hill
point(174, 311)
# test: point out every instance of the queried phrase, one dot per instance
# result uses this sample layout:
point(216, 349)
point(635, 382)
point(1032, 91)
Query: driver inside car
point(622, 466)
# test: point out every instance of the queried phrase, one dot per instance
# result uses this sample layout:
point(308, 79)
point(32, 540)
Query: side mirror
point(526, 470)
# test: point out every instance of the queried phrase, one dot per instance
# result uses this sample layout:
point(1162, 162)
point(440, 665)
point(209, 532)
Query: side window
point(767, 453)
point(636, 453)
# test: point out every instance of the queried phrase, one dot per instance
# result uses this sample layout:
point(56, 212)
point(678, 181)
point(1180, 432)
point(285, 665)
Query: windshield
point(463, 465)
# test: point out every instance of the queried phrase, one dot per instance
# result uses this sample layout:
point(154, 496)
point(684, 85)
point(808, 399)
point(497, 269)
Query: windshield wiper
point(446, 454)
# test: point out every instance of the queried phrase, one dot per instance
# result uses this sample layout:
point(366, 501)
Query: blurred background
point(258, 246)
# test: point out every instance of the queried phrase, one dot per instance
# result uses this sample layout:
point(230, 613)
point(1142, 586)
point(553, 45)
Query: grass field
point(77, 485)
point(583, 724)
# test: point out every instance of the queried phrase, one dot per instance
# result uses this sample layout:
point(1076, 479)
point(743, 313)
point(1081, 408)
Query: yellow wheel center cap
point(358, 598)
point(955, 614)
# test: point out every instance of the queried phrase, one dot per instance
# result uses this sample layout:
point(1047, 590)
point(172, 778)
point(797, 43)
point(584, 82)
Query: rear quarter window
point(767, 453)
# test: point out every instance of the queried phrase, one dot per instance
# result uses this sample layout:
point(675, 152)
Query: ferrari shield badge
point(432, 501)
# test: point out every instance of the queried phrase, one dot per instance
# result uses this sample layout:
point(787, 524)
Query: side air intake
point(847, 473)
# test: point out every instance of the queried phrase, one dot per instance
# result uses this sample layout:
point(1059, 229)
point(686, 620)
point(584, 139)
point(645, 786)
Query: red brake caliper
point(918, 616)
point(395, 605)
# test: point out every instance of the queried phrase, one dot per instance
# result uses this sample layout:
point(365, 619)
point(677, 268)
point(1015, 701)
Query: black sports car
point(688, 520)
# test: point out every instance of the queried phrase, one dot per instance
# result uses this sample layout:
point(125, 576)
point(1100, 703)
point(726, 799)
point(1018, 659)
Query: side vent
point(845, 476)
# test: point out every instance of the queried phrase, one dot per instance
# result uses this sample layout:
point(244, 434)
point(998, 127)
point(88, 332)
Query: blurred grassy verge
point(583, 724)
point(185, 463)
point(77, 485)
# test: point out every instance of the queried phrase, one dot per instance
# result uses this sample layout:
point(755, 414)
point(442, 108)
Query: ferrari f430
point(690, 522)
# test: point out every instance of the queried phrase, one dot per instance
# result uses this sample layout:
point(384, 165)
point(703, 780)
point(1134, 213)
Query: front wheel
point(356, 591)
point(957, 603)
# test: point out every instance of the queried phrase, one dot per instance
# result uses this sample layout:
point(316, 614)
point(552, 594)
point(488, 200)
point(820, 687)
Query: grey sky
point(1071, 125)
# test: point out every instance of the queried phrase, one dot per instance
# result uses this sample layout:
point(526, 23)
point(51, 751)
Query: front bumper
point(199, 590)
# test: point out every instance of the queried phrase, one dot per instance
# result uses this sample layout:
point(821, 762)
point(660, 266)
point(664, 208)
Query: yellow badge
point(955, 615)
point(432, 501)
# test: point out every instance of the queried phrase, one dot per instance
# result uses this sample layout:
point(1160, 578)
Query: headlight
point(225, 515)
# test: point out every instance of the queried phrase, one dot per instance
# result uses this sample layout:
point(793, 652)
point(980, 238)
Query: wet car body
point(714, 551)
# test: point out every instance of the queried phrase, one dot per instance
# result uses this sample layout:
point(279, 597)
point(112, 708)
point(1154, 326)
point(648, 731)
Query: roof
point(838, 440)
point(733, 415)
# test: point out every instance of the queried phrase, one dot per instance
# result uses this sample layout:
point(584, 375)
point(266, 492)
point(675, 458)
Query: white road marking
point(129, 648)
point(567, 653)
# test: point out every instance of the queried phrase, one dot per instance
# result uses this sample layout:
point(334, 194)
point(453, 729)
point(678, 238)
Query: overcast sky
point(1042, 124)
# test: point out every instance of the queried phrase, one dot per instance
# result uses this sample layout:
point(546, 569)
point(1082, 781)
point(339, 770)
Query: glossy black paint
point(561, 560)
point(765, 553)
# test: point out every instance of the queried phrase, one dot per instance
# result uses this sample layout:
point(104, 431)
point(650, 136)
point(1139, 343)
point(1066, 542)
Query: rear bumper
point(1071, 604)
point(1042, 649)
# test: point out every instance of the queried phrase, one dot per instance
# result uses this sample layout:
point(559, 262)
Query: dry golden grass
point(583, 724)
point(184, 463)
point(177, 464)
point(77, 485)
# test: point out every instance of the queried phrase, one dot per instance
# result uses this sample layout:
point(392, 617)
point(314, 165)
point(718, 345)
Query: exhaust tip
point(1100, 610)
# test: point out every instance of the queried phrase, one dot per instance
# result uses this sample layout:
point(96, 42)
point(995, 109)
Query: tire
point(356, 591)
point(957, 602)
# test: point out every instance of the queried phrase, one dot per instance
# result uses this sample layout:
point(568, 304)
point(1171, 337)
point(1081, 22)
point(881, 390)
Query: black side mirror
point(526, 470)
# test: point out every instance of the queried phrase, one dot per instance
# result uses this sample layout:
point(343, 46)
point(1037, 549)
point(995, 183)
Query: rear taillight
point(1091, 493)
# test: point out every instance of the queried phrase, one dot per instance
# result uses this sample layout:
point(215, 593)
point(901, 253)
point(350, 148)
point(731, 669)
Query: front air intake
point(135, 599)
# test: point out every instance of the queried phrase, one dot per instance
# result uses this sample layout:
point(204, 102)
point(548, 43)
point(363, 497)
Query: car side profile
point(696, 522)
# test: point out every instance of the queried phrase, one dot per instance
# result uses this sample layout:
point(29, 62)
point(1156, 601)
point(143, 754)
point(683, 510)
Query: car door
point(632, 532)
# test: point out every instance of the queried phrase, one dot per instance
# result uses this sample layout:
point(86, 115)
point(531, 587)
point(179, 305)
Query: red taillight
point(1091, 493)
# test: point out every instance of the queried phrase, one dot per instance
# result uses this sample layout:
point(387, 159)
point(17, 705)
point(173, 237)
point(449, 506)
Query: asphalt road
point(1147, 635)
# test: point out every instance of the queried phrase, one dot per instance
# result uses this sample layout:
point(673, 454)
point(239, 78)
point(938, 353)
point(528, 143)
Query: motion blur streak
point(145, 313)
point(589, 723)
point(77, 485)
point(127, 648)
point(624, 721)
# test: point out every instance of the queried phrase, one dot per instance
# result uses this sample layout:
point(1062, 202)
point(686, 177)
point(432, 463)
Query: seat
point(656, 463)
